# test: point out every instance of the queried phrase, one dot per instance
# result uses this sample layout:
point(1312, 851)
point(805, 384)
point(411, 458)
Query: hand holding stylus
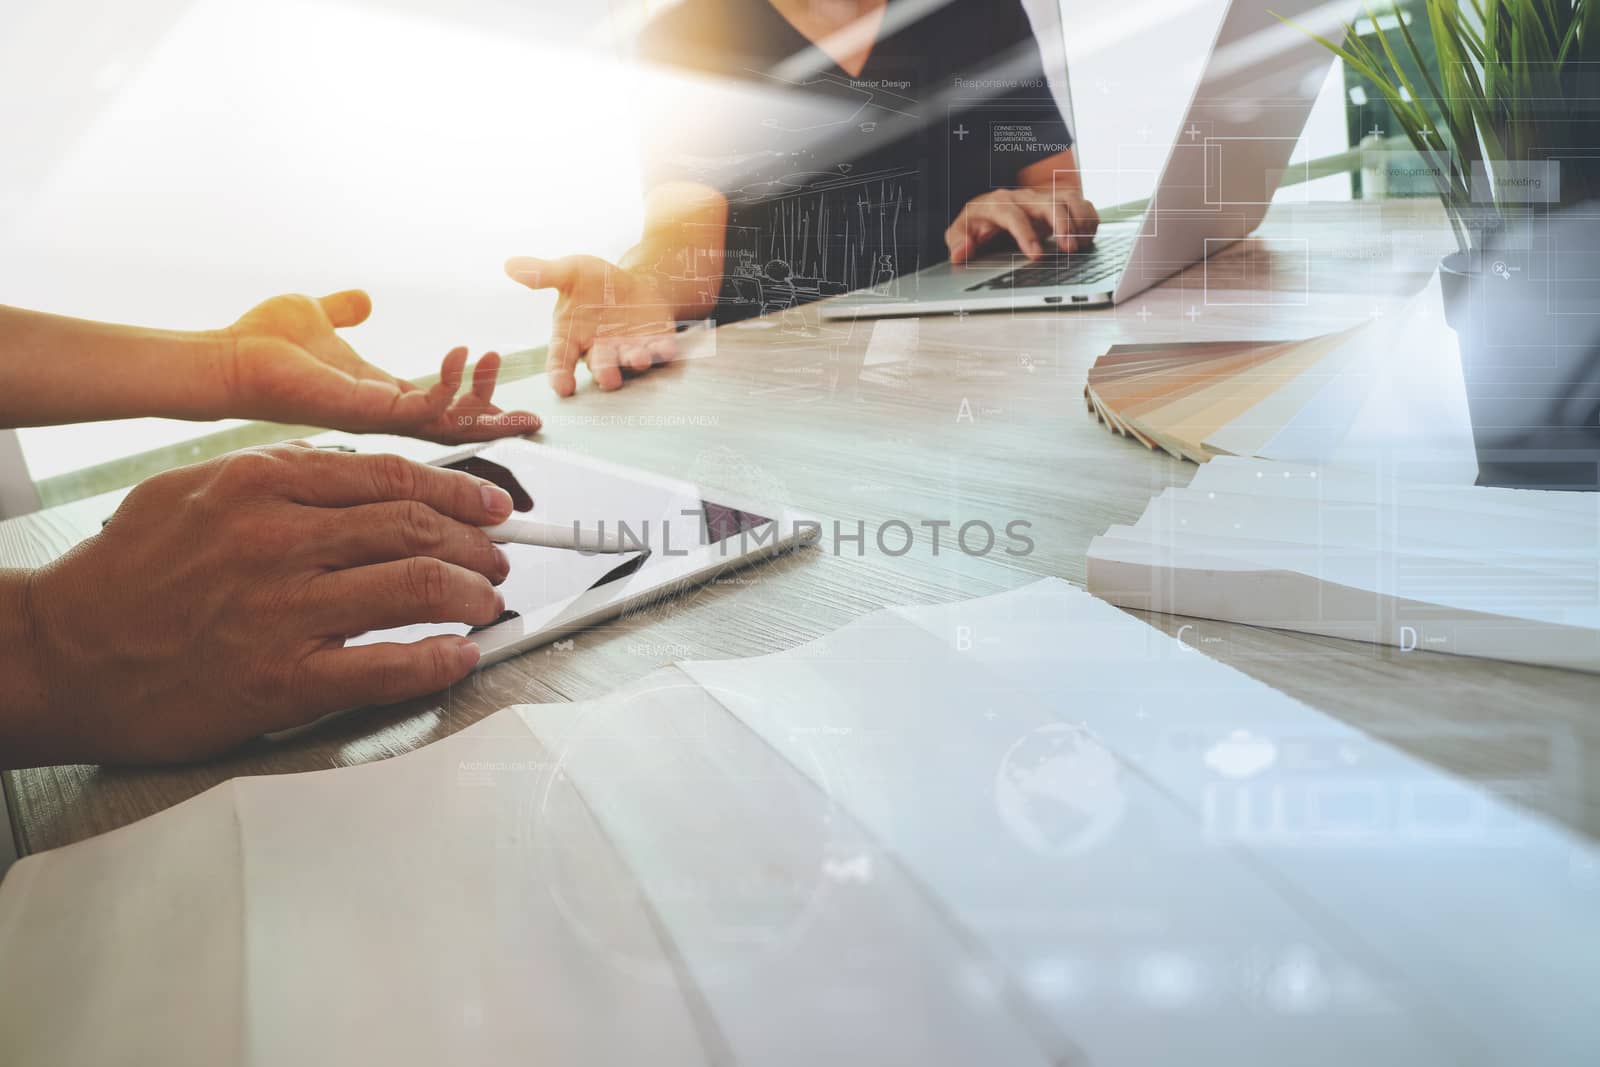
point(215, 605)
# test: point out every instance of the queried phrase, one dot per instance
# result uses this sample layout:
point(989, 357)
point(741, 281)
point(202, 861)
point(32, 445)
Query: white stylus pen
point(554, 535)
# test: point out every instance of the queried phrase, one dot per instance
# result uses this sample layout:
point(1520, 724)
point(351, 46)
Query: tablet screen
point(553, 486)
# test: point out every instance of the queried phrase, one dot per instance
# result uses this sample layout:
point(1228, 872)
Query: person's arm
point(25, 698)
point(57, 370)
point(684, 232)
point(623, 316)
point(1048, 202)
point(281, 362)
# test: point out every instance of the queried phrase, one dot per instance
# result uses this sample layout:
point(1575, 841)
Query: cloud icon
point(1241, 754)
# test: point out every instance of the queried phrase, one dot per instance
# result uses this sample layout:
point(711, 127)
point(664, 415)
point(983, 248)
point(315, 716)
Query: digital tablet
point(693, 534)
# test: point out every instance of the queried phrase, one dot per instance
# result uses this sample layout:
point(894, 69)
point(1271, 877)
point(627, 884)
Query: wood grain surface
point(984, 419)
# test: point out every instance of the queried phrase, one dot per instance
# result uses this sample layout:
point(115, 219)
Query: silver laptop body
point(1229, 156)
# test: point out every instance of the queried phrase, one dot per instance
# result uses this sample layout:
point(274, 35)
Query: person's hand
point(1029, 216)
point(284, 363)
point(215, 604)
point(615, 317)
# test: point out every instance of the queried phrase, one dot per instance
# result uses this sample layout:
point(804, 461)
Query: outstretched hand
point(615, 318)
point(285, 363)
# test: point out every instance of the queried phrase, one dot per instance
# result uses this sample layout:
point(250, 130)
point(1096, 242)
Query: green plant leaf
point(1504, 78)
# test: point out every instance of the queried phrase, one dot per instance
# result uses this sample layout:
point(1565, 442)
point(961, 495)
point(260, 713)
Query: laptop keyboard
point(1108, 256)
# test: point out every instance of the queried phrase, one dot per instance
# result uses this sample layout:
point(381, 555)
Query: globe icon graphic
point(1058, 790)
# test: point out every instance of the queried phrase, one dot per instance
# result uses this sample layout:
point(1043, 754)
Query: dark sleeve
point(1026, 124)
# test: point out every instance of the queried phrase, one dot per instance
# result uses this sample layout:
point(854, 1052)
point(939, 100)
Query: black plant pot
point(1526, 309)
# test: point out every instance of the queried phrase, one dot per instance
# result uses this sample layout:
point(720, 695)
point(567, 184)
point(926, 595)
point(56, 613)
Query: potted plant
point(1510, 130)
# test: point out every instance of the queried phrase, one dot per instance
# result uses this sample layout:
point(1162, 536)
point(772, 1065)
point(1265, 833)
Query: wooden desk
point(985, 420)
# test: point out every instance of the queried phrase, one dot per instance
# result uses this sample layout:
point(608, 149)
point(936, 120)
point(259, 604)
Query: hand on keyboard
point(1031, 217)
point(1098, 263)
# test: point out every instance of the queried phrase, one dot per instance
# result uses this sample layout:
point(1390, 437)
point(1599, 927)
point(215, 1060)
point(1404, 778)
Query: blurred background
point(173, 162)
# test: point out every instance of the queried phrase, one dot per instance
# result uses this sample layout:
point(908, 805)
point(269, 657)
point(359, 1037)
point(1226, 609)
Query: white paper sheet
point(1275, 887)
point(389, 913)
point(807, 942)
point(1011, 795)
point(1480, 910)
point(1498, 573)
point(1376, 484)
point(128, 948)
point(1024, 829)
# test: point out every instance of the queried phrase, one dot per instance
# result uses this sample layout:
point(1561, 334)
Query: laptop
point(1228, 158)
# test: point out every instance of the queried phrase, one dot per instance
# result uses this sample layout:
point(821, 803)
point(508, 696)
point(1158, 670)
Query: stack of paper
point(1027, 829)
point(1391, 382)
point(1501, 573)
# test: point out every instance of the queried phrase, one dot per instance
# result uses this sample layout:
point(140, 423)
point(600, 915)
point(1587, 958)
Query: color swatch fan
point(1389, 388)
point(1202, 399)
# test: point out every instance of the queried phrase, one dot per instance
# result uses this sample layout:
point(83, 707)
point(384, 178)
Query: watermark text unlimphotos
point(733, 533)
